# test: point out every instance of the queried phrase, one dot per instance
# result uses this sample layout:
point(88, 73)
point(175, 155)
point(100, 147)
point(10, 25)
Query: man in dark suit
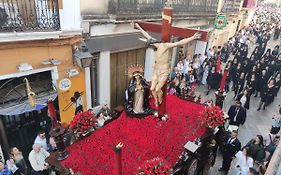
point(237, 114)
point(230, 147)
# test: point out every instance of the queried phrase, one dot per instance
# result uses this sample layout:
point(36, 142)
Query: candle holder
point(118, 157)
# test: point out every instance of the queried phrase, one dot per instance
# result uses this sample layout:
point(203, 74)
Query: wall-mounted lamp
point(72, 73)
point(83, 59)
point(24, 67)
point(55, 62)
point(52, 61)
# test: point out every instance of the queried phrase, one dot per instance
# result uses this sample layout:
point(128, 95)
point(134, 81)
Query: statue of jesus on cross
point(161, 69)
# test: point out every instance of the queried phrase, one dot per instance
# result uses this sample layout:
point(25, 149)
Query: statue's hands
point(135, 25)
point(197, 35)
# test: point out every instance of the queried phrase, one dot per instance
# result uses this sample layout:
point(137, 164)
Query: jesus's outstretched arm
point(184, 41)
point(144, 33)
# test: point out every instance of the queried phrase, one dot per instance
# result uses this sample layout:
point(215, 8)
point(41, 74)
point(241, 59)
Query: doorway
point(119, 63)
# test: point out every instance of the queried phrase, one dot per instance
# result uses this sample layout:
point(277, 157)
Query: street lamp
point(82, 57)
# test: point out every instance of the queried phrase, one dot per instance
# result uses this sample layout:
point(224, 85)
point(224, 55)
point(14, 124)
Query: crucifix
point(162, 51)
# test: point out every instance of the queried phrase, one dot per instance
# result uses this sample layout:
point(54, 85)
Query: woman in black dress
point(252, 84)
point(270, 92)
point(239, 84)
point(236, 76)
point(267, 56)
point(253, 71)
point(261, 82)
point(213, 79)
point(277, 83)
point(232, 71)
point(267, 95)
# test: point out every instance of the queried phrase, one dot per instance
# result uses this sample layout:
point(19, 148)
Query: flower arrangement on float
point(212, 116)
point(82, 124)
point(155, 166)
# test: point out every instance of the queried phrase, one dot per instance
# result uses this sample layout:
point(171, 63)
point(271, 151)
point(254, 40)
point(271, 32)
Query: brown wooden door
point(119, 63)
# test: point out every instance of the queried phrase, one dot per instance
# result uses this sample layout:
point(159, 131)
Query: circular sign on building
point(220, 22)
point(65, 84)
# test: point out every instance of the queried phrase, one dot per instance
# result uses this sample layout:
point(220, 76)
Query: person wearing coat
point(267, 95)
point(237, 114)
point(213, 79)
point(256, 147)
point(252, 85)
point(244, 98)
point(277, 83)
point(231, 146)
point(239, 84)
point(271, 92)
point(261, 82)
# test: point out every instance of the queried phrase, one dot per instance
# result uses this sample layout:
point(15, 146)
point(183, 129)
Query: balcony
point(149, 9)
point(29, 15)
point(231, 6)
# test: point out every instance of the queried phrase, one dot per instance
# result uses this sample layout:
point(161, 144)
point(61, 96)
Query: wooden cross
point(167, 30)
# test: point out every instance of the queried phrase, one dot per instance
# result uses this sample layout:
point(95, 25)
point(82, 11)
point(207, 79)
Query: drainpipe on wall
point(94, 82)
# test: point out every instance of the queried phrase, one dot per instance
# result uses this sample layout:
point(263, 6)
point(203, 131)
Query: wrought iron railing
point(231, 6)
point(29, 15)
point(154, 7)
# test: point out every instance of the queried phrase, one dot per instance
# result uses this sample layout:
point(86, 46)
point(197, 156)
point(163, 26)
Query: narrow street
point(257, 122)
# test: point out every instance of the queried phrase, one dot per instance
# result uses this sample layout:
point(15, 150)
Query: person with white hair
point(37, 159)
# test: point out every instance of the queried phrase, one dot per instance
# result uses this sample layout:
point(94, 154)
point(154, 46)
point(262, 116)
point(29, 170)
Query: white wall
point(200, 47)
point(70, 18)
point(94, 6)
point(88, 87)
point(105, 29)
point(104, 78)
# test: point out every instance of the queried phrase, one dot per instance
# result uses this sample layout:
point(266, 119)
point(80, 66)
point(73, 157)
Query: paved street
point(257, 122)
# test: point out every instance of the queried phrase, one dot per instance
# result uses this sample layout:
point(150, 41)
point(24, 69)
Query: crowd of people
point(251, 75)
point(43, 145)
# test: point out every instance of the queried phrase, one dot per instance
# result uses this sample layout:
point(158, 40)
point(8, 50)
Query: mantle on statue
point(143, 139)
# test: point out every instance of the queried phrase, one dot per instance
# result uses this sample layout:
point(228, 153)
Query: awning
point(24, 106)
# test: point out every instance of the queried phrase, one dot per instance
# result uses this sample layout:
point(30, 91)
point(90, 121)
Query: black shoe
point(256, 95)
point(258, 109)
point(264, 108)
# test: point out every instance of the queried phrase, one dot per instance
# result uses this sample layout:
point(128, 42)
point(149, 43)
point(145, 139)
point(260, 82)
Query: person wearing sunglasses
point(41, 139)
